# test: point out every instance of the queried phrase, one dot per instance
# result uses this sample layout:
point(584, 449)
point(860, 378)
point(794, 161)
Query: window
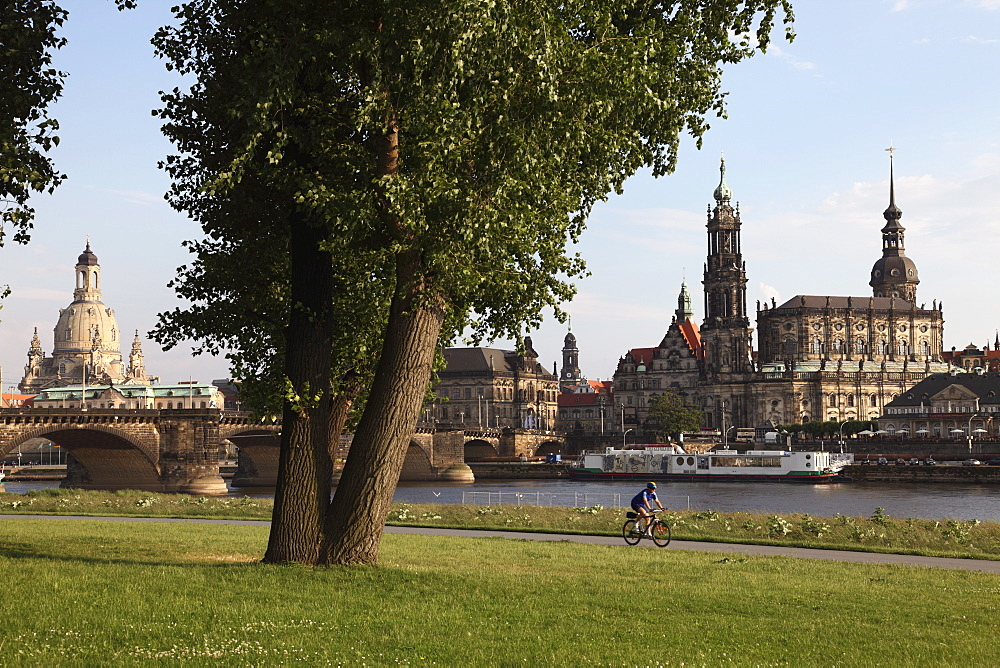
point(838, 345)
point(925, 349)
point(850, 399)
point(859, 346)
point(817, 347)
point(903, 347)
point(468, 393)
point(873, 400)
point(833, 400)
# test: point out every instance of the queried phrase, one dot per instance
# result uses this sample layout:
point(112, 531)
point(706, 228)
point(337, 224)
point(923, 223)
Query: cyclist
point(642, 503)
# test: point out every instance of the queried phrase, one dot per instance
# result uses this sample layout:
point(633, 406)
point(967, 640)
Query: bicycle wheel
point(661, 534)
point(630, 533)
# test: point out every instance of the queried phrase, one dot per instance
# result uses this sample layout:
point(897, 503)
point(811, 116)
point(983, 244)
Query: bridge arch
point(416, 465)
point(478, 448)
point(549, 448)
point(105, 455)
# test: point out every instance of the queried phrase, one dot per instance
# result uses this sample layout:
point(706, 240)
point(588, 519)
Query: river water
point(927, 501)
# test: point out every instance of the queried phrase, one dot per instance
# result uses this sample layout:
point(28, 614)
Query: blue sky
point(804, 141)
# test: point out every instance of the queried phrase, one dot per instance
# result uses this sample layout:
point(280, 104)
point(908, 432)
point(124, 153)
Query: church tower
point(569, 375)
point(726, 331)
point(684, 310)
point(894, 274)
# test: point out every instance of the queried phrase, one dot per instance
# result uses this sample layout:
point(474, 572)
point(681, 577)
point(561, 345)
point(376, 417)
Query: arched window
point(850, 399)
point(903, 347)
point(925, 348)
point(838, 346)
point(833, 400)
point(817, 347)
point(859, 346)
point(880, 348)
point(873, 400)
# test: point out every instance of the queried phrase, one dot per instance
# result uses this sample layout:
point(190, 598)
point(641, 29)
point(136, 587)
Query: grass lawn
point(95, 593)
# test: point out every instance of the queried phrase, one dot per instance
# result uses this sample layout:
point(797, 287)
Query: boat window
point(690, 461)
point(680, 461)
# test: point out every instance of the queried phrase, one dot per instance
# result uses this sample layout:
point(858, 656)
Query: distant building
point(972, 358)
point(135, 397)
point(947, 405)
point(86, 341)
point(487, 387)
point(818, 357)
point(10, 400)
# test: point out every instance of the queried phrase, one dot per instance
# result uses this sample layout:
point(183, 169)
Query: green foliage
point(27, 132)
point(671, 413)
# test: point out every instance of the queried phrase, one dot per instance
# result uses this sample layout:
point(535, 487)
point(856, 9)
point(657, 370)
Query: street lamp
point(968, 433)
point(840, 430)
point(624, 435)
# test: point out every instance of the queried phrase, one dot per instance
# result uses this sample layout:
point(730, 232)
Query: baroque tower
point(894, 274)
point(569, 375)
point(726, 332)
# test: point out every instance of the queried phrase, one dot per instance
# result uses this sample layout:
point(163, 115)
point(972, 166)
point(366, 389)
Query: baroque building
point(818, 357)
point(491, 388)
point(86, 341)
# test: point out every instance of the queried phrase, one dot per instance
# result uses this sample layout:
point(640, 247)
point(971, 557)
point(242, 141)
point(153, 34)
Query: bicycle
point(634, 530)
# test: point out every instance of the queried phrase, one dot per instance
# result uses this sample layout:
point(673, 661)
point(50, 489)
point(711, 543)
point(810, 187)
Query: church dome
point(894, 269)
point(79, 322)
point(87, 257)
point(570, 340)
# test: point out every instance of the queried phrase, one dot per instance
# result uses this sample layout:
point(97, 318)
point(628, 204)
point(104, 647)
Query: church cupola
point(88, 277)
point(894, 274)
point(684, 310)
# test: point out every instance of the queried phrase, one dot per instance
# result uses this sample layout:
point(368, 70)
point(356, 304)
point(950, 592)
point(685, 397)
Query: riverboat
point(666, 463)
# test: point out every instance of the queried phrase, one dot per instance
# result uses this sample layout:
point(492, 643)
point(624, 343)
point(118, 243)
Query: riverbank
point(878, 532)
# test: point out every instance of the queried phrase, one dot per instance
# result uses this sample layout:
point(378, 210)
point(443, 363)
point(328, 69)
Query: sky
point(805, 137)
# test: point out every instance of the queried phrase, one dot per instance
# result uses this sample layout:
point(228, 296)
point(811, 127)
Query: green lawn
point(101, 593)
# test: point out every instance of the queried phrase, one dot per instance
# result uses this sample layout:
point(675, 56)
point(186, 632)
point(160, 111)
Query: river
point(927, 501)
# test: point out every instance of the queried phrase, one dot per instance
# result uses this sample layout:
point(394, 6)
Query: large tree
point(460, 143)
point(30, 84)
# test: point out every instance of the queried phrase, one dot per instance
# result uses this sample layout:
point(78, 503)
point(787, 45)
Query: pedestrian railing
point(569, 499)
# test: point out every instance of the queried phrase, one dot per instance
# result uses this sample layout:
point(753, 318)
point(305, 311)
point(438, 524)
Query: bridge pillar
point(449, 457)
point(189, 453)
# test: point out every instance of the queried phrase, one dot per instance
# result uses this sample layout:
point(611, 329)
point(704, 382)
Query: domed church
point(86, 345)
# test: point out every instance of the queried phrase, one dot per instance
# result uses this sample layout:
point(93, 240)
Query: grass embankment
point(101, 593)
point(876, 533)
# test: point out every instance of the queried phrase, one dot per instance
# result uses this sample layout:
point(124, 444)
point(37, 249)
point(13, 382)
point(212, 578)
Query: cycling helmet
point(650, 485)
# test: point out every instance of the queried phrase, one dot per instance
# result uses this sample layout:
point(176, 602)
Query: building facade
point(86, 341)
point(132, 397)
point(491, 388)
point(818, 357)
point(956, 405)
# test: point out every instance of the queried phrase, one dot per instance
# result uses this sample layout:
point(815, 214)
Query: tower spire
point(894, 274)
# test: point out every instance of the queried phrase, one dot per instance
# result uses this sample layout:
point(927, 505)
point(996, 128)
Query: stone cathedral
point(86, 345)
point(819, 357)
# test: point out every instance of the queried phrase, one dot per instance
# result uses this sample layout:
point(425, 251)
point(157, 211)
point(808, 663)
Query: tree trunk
point(304, 467)
point(354, 523)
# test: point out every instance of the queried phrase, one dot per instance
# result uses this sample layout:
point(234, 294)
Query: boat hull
point(807, 478)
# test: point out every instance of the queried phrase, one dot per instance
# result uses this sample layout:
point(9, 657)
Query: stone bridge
point(179, 450)
point(154, 450)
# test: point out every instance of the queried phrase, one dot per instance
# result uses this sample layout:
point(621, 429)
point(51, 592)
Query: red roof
point(692, 337)
point(601, 386)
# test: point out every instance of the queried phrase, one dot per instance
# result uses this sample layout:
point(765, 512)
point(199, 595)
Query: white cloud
point(973, 39)
point(769, 292)
point(778, 52)
point(985, 4)
point(900, 5)
point(136, 197)
point(40, 294)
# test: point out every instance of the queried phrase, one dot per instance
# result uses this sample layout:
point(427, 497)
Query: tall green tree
point(672, 415)
point(28, 38)
point(462, 143)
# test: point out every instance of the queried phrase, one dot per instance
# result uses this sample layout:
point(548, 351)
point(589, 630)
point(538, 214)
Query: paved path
point(729, 548)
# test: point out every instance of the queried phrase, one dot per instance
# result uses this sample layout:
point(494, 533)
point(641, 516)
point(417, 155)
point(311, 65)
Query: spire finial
point(723, 193)
point(892, 189)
